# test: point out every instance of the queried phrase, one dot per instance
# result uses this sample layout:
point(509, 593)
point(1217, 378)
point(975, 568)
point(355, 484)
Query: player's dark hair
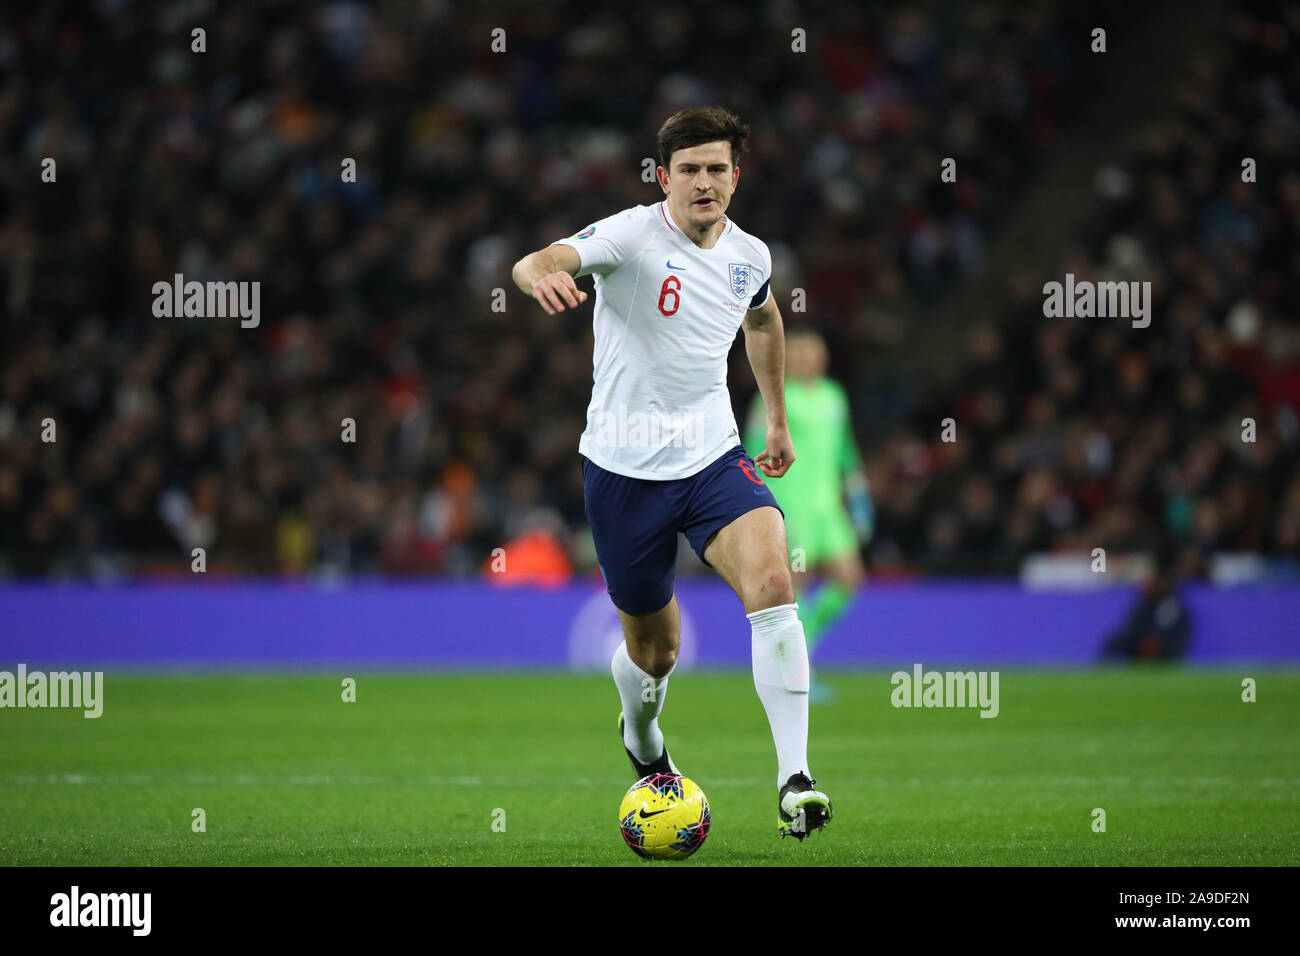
point(699, 125)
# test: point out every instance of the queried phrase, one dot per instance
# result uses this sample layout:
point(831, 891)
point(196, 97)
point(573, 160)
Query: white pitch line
point(344, 780)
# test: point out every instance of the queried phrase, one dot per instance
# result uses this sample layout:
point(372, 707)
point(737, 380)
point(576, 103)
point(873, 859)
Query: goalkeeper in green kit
point(813, 492)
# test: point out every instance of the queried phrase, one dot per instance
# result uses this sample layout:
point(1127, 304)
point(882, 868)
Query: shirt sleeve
point(608, 243)
point(764, 292)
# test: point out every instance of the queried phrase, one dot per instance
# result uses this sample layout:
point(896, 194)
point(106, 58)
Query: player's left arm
point(765, 347)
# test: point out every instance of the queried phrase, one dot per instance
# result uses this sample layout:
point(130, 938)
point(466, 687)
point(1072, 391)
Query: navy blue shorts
point(635, 522)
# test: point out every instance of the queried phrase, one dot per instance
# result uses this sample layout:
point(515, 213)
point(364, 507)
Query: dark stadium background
point(380, 303)
point(377, 296)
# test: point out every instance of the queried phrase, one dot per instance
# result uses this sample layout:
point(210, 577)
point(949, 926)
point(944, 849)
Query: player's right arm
point(602, 248)
point(857, 490)
point(547, 275)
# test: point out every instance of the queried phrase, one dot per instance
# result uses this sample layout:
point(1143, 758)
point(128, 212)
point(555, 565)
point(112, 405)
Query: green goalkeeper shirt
point(824, 448)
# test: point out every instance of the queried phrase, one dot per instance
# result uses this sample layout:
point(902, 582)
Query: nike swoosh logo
point(669, 264)
point(645, 816)
point(760, 491)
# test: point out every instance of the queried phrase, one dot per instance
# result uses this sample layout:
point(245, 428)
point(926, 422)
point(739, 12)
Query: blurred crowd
point(1075, 434)
point(379, 303)
point(377, 295)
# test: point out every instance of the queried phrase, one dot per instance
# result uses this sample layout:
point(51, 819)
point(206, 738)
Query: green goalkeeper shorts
point(817, 536)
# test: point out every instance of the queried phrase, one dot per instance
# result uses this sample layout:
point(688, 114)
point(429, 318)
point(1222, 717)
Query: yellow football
point(664, 817)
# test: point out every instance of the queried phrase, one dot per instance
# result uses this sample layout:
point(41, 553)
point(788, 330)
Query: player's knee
point(772, 586)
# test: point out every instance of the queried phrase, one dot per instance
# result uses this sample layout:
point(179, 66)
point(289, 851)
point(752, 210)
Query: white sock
point(641, 733)
point(780, 657)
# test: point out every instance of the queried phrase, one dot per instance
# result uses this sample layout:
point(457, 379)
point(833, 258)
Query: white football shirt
point(666, 315)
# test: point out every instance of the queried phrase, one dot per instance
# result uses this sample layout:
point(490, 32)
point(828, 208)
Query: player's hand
point(554, 290)
point(778, 456)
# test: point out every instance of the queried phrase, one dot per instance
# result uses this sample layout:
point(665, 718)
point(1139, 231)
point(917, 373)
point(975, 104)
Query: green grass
point(411, 773)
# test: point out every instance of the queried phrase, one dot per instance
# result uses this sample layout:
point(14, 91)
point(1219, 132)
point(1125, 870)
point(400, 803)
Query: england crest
point(739, 272)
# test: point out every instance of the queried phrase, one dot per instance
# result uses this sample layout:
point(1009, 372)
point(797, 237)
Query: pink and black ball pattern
point(633, 834)
point(661, 839)
point(690, 837)
point(664, 783)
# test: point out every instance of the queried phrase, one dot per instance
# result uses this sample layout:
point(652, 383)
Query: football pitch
point(526, 769)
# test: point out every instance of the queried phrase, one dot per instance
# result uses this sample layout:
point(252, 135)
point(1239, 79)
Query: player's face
point(805, 357)
point(699, 183)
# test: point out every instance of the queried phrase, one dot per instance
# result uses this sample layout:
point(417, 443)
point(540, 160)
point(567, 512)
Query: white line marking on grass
point(331, 780)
